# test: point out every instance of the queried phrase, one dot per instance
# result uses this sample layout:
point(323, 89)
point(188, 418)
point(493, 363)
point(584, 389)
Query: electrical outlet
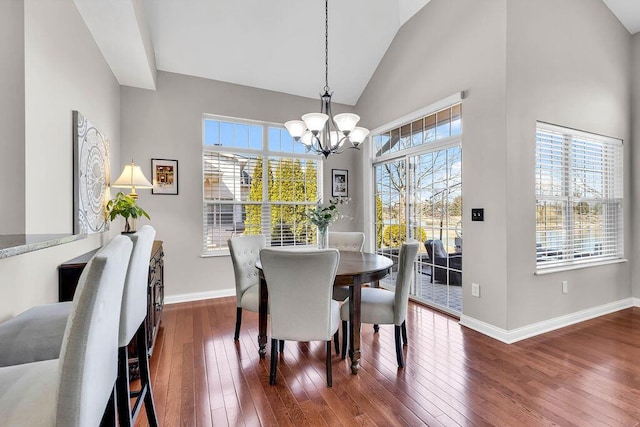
point(475, 290)
point(565, 287)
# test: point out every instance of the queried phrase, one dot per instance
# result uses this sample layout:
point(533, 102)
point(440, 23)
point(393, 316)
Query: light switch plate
point(477, 214)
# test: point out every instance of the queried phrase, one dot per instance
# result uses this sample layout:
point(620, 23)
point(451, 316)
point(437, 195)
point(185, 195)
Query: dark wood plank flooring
point(583, 375)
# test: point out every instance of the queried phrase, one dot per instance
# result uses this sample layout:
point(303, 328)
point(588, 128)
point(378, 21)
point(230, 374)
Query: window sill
point(578, 266)
point(216, 254)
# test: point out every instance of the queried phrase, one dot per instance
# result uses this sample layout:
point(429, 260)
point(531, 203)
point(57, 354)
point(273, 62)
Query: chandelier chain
point(326, 45)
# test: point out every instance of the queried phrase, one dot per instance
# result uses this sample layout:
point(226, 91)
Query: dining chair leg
point(404, 332)
point(126, 414)
point(236, 336)
point(399, 347)
point(281, 345)
point(274, 361)
point(329, 369)
point(376, 328)
point(145, 377)
point(336, 341)
point(122, 387)
point(345, 336)
point(109, 416)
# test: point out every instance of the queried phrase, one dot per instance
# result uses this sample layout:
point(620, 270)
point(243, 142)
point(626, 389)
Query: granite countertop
point(16, 244)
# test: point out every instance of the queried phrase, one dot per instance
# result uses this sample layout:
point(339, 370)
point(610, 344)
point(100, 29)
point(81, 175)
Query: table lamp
point(132, 177)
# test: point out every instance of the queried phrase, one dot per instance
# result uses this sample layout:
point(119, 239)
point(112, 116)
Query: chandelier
point(321, 132)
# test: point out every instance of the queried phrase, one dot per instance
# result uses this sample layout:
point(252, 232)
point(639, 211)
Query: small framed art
point(339, 183)
point(164, 176)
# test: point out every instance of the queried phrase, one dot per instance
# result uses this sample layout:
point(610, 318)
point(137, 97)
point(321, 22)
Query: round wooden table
point(354, 269)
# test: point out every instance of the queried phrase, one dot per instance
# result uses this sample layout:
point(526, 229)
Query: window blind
point(579, 194)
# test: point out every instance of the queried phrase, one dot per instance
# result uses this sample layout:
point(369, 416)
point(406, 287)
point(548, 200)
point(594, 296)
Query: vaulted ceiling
point(276, 44)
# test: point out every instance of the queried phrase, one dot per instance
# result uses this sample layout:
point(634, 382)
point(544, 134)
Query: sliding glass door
point(418, 195)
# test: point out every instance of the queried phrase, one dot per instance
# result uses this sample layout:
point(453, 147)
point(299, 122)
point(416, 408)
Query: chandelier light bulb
point(358, 135)
point(346, 121)
point(315, 121)
point(307, 139)
point(296, 128)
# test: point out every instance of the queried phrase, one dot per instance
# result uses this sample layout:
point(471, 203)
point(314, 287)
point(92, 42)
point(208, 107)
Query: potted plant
point(125, 206)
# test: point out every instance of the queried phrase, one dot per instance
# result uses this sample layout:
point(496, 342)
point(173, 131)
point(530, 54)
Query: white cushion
point(34, 335)
point(250, 298)
point(28, 394)
point(376, 307)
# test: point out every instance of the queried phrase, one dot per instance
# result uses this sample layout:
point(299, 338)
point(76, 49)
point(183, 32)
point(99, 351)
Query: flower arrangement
point(321, 216)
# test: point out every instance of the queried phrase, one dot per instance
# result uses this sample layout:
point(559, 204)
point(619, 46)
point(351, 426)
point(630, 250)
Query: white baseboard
point(197, 296)
point(534, 329)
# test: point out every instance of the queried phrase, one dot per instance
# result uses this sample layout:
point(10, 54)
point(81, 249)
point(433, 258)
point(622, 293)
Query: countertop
point(16, 244)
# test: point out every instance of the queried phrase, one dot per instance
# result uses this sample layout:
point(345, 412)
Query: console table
point(69, 272)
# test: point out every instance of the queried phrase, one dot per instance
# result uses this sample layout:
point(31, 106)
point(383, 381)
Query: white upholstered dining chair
point(245, 251)
point(383, 307)
point(75, 389)
point(300, 303)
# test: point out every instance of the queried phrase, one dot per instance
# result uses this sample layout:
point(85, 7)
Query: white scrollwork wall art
point(90, 177)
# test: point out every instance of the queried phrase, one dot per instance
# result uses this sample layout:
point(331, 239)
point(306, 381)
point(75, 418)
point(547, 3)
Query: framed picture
point(164, 174)
point(339, 183)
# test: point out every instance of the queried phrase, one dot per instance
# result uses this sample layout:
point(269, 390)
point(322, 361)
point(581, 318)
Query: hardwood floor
point(586, 374)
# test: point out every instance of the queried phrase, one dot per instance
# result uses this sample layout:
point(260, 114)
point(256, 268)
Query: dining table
point(354, 270)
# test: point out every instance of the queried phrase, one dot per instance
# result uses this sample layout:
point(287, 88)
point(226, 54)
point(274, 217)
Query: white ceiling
point(275, 44)
point(628, 12)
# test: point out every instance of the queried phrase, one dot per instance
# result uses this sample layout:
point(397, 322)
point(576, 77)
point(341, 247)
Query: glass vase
point(323, 238)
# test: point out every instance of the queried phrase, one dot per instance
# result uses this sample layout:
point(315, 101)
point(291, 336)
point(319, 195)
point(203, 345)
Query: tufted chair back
point(245, 251)
point(346, 240)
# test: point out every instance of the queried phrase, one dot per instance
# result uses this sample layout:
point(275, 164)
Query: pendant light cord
point(326, 46)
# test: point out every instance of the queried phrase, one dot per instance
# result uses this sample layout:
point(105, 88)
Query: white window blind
point(578, 197)
point(256, 180)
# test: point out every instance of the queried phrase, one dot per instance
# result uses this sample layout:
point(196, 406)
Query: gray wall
point(635, 160)
point(64, 71)
point(12, 209)
point(568, 63)
point(517, 62)
point(448, 47)
point(167, 124)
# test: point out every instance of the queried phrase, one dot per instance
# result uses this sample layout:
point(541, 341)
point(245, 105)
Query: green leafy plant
point(125, 206)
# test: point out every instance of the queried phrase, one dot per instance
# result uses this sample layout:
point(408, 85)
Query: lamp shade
point(358, 135)
point(296, 128)
point(132, 177)
point(346, 121)
point(315, 121)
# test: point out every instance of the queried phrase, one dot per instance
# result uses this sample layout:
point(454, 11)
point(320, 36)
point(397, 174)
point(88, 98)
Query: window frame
point(267, 155)
point(612, 199)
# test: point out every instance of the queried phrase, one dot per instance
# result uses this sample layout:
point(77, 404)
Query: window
point(256, 180)
point(578, 197)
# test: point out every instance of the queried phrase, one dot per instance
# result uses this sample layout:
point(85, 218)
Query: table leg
point(262, 317)
point(354, 325)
